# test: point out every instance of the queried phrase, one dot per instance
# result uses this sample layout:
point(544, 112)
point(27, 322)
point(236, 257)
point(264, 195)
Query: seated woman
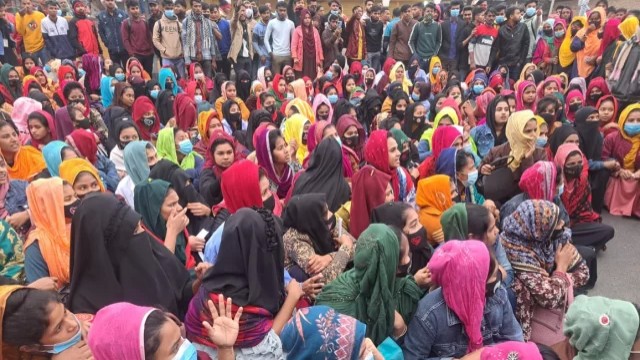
point(47, 249)
point(526, 96)
point(82, 176)
point(208, 122)
point(434, 197)
point(52, 154)
point(273, 155)
point(381, 151)
point(232, 122)
point(314, 243)
point(492, 132)
point(139, 157)
point(295, 132)
point(468, 311)
point(125, 132)
point(443, 137)
point(174, 145)
point(522, 132)
point(23, 162)
point(371, 188)
point(41, 128)
point(165, 220)
point(228, 91)
point(146, 118)
point(459, 165)
point(372, 286)
point(249, 270)
point(607, 110)
point(547, 266)
point(353, 139)
point(623, 192)
point(14, 209)
point(220, 156)
point(84, 142)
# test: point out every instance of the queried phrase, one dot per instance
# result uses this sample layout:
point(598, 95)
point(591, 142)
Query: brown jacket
point(236, 37)
point(399, 42)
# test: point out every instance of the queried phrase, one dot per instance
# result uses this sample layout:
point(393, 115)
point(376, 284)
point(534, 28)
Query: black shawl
point(589, 133)
point(306, 213)
point(559, 136)
point(164, 105)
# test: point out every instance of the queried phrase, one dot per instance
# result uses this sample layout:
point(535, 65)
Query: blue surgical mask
point(60, 347)
point(198, 98)
point(290, 96)
point(472, 177)
point(335, 12)
point(455, 13)
point(632, 129)
point(468, 148)
point(477, 89)
point(168, 13)
point(560, 33)
point(59, 12)
point(530, 12)
point(415, 97)
point(329, 75)
point(333, 98)
point(435, 70)
point(500, 19)
point(186, 147)
point(541, 141)
point(120, 77)
point(186, 351)
point(154, 93)
point(81, 73)
point(560, 189)
point(355, 101)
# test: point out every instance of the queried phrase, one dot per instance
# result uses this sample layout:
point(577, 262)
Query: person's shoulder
point(430, 303)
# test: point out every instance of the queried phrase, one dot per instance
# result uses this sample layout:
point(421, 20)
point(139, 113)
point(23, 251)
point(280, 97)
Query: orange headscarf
point(70, 169)
point(27, 163)
point(434, 197)
point(591, 44)
point(46, 202)
point(630, 158)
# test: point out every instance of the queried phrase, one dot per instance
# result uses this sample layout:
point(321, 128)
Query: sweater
point(399, 42)
point(374, 32)
point(28, 26)
point(278, 37)
point(56, 38)
point(166, 37)
point(225, 43)
point(109, 27)
point(83, 36)
point(425, 39)
point(136, 37)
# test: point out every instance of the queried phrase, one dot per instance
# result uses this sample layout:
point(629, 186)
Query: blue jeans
point(178, 64)
point(42, 55)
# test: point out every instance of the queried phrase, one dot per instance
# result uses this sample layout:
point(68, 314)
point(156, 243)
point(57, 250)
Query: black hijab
point(44, 100)
point(410, 121)
point(559, 136)
point(119, 127)
point(306, 213)
point(341, 107)
point(325, 175)
point(243, 83)
point(216, 92)
point(491, 120)
point(256, 118)
point(538, 76)
point(164, 106)
point(589, 133)
point(226, 107)
point(250, 267)
point(371, 105)
point(110, 264)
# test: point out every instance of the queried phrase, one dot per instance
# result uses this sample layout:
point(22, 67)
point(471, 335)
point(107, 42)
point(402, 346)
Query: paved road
point(618, 267)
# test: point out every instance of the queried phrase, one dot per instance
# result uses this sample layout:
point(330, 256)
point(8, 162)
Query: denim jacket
point(435, 332)
point(483, 138)
point(109, 27)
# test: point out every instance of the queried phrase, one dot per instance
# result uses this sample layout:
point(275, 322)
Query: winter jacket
point(425, 39)
point(511, 46)
point(236, 38)
point(167, 37)
point(83, 36)
point(56, 38)
point(109, 27)
point(225, 43)
point(297, 47)
point(399, 42)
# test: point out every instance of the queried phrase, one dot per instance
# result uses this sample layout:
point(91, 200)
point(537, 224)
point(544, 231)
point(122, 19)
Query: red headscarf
point(376, 153)
point(451, 102)
point(577, 192)
point(64, 70)
point(369, 188)
point(240, 185)
point(522, 86)
point(274, 86)
point(615, 112)
point(209, 159)
point(141, 106)
point(600, 83)
point(443, 138)
point(27, 82)
point(539, 181)
point(610, 34)
point(550, 79)
point(356, 69)
point(84, 141)
point(575, 93)
point(52, 128)
point(185, 111)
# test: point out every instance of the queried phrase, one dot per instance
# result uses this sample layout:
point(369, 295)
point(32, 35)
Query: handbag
point(500, 185)
point(547, 324)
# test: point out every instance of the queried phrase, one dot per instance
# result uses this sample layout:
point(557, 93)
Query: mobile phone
point(202, 235)
point(339, 224)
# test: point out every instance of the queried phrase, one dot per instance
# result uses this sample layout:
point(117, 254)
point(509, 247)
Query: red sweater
point(136, 37)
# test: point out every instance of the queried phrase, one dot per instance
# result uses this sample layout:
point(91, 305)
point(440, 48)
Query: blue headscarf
point(446, 164)
point(320, 332)
point(53, 157)
point(135, 161)
point(162, 79)
point(105, 91)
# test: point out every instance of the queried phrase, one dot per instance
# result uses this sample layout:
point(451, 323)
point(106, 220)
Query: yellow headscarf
point(406, 83)
point(293, 129)
point(540, 121)
point(203, 126)
point(523, 73)
point(303, 108)
point(519, 142)
point(630, 158)
point(434, 61)
point(445, 111)
point(628, 27)
point(70, 169)
point(565, 55)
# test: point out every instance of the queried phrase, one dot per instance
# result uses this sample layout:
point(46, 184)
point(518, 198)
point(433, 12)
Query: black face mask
point(404, 158)
point(418, 239)
point(420, 119)
point(399, 114)
point(84, 124)
point(234, 118)
point(403, 270)
point(331, 222)
point(268, 78)
point(123, 144)
point(356, 77)
point(148, 121)
point(323, 117)
point(548, 32)
point(351, 141)
point(493, 286)
point(13, 82)
point(168, 86)
point(574, 32)
point(595, 97)
point(575, 107)
point(271, 109)
point(369, 81)
point(70, 209)
point(573, 172)
point(270, 203)
point(304, 138)
point(289, 79)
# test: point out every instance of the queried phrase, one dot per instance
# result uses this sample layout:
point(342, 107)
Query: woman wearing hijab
point(586, 43)
point(563, 135)
point(220, 156)
point(415, 121)
point(296, 129)
point(47, 249)
point(167, 81)
point(574, 100)
point(371, 291)
point(138, 157)
point(229, 93)
point(611, 40)
point(492, 133)
point(433, 198)
point(545, 54)
point(437, 76)
point(125, 132)
point(42, 128)
point(596, 89)
point(10, 84)
point(352, 136)
point(306, 47)
point(185, 112)
point(443, 138)
point(470, 288)
point(381, 151)
point(526, 95)
point(459, 165)
point(273, 155)
point(146, 118)
point(313, 242)
point(84, 142)
point(52, 153)
point(566, 56)
point(547, 265)
point(322, 108)
point(446, 116)
point(13, 201)
point(114, 259)
point(371, 188)
point(624, 146)
point(164, 106)
point(174, 145)
point(23, 161)
point(82, 176)
point(208, 122)
point(278, 90)
point(250, 271)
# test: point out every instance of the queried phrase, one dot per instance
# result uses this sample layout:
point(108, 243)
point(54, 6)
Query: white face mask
point(198, 76)
point(198, 98)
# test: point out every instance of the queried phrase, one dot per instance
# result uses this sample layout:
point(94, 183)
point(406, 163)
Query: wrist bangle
point(404, 332)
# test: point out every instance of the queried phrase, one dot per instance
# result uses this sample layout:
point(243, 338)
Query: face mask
point(351, 141)
point(198, 76)
point(415, 97)
point(632, 129)
point(455, 13)
point(148, 121)
point(168, 86)
point(573, 171)
point(472, 177)
point(541, 141)
point(186, 147)
point(271, 109)
point(290, 96)
point(548, 32)
point(331, 222)
point(169, 13)
point(154, 93)
point(338, 140)
point(84, 124)
point(561, 189)
point(404, 157)
point(81, 73)
point(500, 19)
point(435, 70)
point(468, 148)
point(530, 12)
point(270, 203)
point(186, 351)
point(248, 13)
point(289, 79)
point(322, 117)
point(59, 13)
point(13, 82)
point(493, 286)
point(119, 77)
point(403, 270)
point(335, 12)
point(595, 97)
point(369, 81)
point(333, 98)
point(356, 101)
point(329, 75)
point(575, 107)
point(70, 209)
point(559, 33)
point(268, 78)
point(234, 118)
point(198, 98)
point(304, 138)
point(477, 89)
point(399, 114)
point(60, 347)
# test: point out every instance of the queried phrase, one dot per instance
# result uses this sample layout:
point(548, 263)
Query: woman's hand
point(487, 169)
point(196, 243)
point(223, 330)
point(368, 347)
point(345, 240)
point(45, 283)
point(423, 278)
point(294, 290)
point(199, 209)
point(177, 221)
point(625, 174)
point(201, 269)
point(18, 219)
point(612, 165)
point(313, 285)
point(317, 263)
point(491, 206)
point(564, 255)
point(399, 327)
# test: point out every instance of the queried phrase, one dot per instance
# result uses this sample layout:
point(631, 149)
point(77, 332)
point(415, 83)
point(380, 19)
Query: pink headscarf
point(22, 107)
point(322, 99)
point(571, 116)
point(504, 351)
point(122, 324)
point(522, 86)
point(461, 268)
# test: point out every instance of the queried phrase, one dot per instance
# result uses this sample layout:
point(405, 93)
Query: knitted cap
point(601, 328)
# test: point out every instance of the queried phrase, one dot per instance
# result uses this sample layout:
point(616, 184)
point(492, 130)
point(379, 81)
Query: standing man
point(180, 9)
point(355, 37)
point(510, 48)
point(278, 38)
point(82, 31)
point(258, 37)
point(241, 51)
point(448, 53)
point(8, 52)
point(155, 13)
point(135, 36)
point(109, 25)
point(470, 17)
point(426, 37)
point(55, 30)
point(224, 40)
point(28, 25)
point(399, 42)
point(388, 27)
point(198, 40)
point(166, 38)
point(533, 20)
point(374, 30)
point(481, 43)
point(331, 41)
point(368, 5)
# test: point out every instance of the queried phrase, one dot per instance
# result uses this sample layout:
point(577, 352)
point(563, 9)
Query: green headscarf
point(166, 146)
point(11, 253)
point(454, 222)
point(135, 161)
point(4, 80)
point(400, 137)
point(370, 291)
point(148, 199)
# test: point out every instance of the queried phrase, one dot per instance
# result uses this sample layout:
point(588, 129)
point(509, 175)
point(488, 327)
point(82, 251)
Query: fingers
point(236, 318)
point(212, 309)
point(229, 307)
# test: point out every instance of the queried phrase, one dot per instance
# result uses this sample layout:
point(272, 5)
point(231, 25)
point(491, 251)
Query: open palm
point(224, 330)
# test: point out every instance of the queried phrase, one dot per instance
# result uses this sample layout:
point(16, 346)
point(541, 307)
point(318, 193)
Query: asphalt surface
point(619, 266)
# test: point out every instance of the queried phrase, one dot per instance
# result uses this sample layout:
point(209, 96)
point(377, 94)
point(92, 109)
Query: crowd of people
point(198, 181)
